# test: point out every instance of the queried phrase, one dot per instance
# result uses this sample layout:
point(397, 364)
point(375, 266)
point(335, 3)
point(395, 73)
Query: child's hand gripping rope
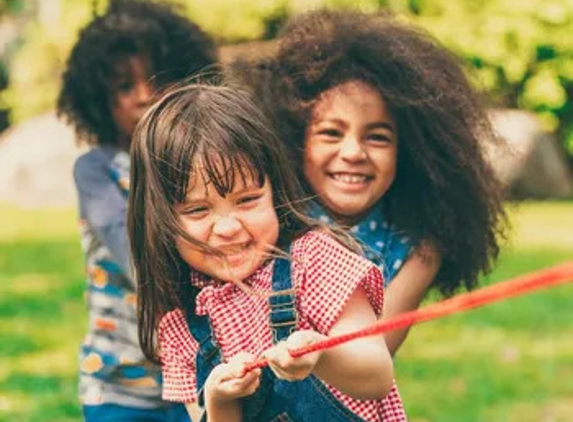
point(229, 381)
point(549, 277)
point(294, 368)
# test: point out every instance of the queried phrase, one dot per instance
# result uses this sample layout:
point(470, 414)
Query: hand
point(293, 369)
point(228, 381)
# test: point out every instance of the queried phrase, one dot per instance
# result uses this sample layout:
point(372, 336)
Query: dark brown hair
point(221, 128)
point(176, 48)
point(444, 191)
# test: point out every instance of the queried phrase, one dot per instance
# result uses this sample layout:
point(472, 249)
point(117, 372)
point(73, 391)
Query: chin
point(348, 211)
point(238, 274)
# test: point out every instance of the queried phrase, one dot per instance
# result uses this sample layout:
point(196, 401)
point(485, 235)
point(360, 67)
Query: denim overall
point(275, 400)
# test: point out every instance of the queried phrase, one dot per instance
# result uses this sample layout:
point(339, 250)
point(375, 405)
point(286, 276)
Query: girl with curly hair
point(384, 130)
point(119, 62)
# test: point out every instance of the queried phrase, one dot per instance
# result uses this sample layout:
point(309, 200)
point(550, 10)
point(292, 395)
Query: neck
point(124, 142)
point(348, 220)
point(351, 220)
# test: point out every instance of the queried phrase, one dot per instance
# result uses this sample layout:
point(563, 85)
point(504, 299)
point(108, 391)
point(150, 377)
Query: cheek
point(198, 230)
point(267, 225)
point(310, 150)
point(274, 230)
point(190, 253)
point(386, 163)
point(123, 123)
point(314, 163)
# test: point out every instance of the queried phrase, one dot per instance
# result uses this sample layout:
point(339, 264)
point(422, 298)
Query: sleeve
point(103, 206)
point(331, 275)
point(178, 351)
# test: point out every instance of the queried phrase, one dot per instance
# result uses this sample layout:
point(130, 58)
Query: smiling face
point(242, 225)
point(350, 150)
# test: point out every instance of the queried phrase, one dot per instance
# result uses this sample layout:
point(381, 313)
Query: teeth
point(349, 178)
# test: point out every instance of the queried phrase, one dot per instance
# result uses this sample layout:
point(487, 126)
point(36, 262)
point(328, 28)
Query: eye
point(248, 199)
point(124, 86)
point(196, 212)
point(330, 134)
point(379, 137)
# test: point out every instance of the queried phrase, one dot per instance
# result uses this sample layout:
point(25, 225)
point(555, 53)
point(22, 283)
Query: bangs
point(224, 153)
point(210, 133)
point(224, 172)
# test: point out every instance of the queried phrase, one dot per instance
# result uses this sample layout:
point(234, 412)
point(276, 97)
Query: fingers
point(303, 338)
point(229, 381)
point(287, 367)
point(284, 366)
point(237, 387)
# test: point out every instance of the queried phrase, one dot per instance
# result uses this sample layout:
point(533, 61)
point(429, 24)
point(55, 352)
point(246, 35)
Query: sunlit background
point(507, 362)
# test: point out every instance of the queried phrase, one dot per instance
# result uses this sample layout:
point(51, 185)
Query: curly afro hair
point(176, 47)
point(444, 191)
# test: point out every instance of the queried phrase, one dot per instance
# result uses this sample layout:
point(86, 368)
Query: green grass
point(512, 361)
point(42, 315)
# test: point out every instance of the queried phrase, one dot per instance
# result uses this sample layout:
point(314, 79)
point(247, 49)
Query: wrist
point(222, 408)
point(212, 398)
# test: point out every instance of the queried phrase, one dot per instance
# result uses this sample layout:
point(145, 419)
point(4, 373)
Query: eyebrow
point(382, 125)
point(370, 126)
point(192, 201)
point(247, 188)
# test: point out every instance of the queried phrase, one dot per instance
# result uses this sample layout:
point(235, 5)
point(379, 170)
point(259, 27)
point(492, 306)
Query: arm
point(361, 368)
point(408, 288)
point(103, 206)
point(224, 411)
point(194, 411)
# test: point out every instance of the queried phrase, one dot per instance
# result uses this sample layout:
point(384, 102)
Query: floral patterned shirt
point(383, 244)
point(112, 366)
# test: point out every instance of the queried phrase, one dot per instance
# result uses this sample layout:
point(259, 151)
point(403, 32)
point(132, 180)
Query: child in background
point(119, 61)
point(384, 131)
point(213, 200)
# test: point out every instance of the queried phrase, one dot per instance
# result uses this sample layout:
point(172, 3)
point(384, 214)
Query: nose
point(226, 226)
point(145, 92)
point(351, 149)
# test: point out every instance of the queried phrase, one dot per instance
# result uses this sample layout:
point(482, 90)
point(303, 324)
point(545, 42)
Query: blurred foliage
point(36, 67)
point(10, 6)
point(519, 53)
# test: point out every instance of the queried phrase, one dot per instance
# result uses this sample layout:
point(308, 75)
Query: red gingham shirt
point(324, 273)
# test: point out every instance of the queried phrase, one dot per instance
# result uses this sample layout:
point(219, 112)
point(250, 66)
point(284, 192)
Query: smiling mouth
point(234, 249)
point(350, 178)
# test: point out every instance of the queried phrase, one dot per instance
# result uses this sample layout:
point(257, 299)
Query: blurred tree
point(519, 52)
point(9, 36)
point(35, 69)
point(10, 6)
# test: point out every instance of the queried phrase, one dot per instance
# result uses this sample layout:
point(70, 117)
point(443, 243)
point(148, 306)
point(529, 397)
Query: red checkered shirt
point(325, 274)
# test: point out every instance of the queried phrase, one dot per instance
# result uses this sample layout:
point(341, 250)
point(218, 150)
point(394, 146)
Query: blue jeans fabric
point(275, 400)
point(115, 413)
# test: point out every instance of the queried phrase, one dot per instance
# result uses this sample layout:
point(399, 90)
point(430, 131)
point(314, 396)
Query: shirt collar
point(376, 214)
point(201, 280)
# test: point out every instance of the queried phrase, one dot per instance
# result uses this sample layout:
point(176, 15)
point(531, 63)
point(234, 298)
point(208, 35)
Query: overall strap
point(283, 316)
point(209, 354)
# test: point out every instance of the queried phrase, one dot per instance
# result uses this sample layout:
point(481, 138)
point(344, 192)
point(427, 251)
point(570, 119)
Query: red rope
point(517, 286)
